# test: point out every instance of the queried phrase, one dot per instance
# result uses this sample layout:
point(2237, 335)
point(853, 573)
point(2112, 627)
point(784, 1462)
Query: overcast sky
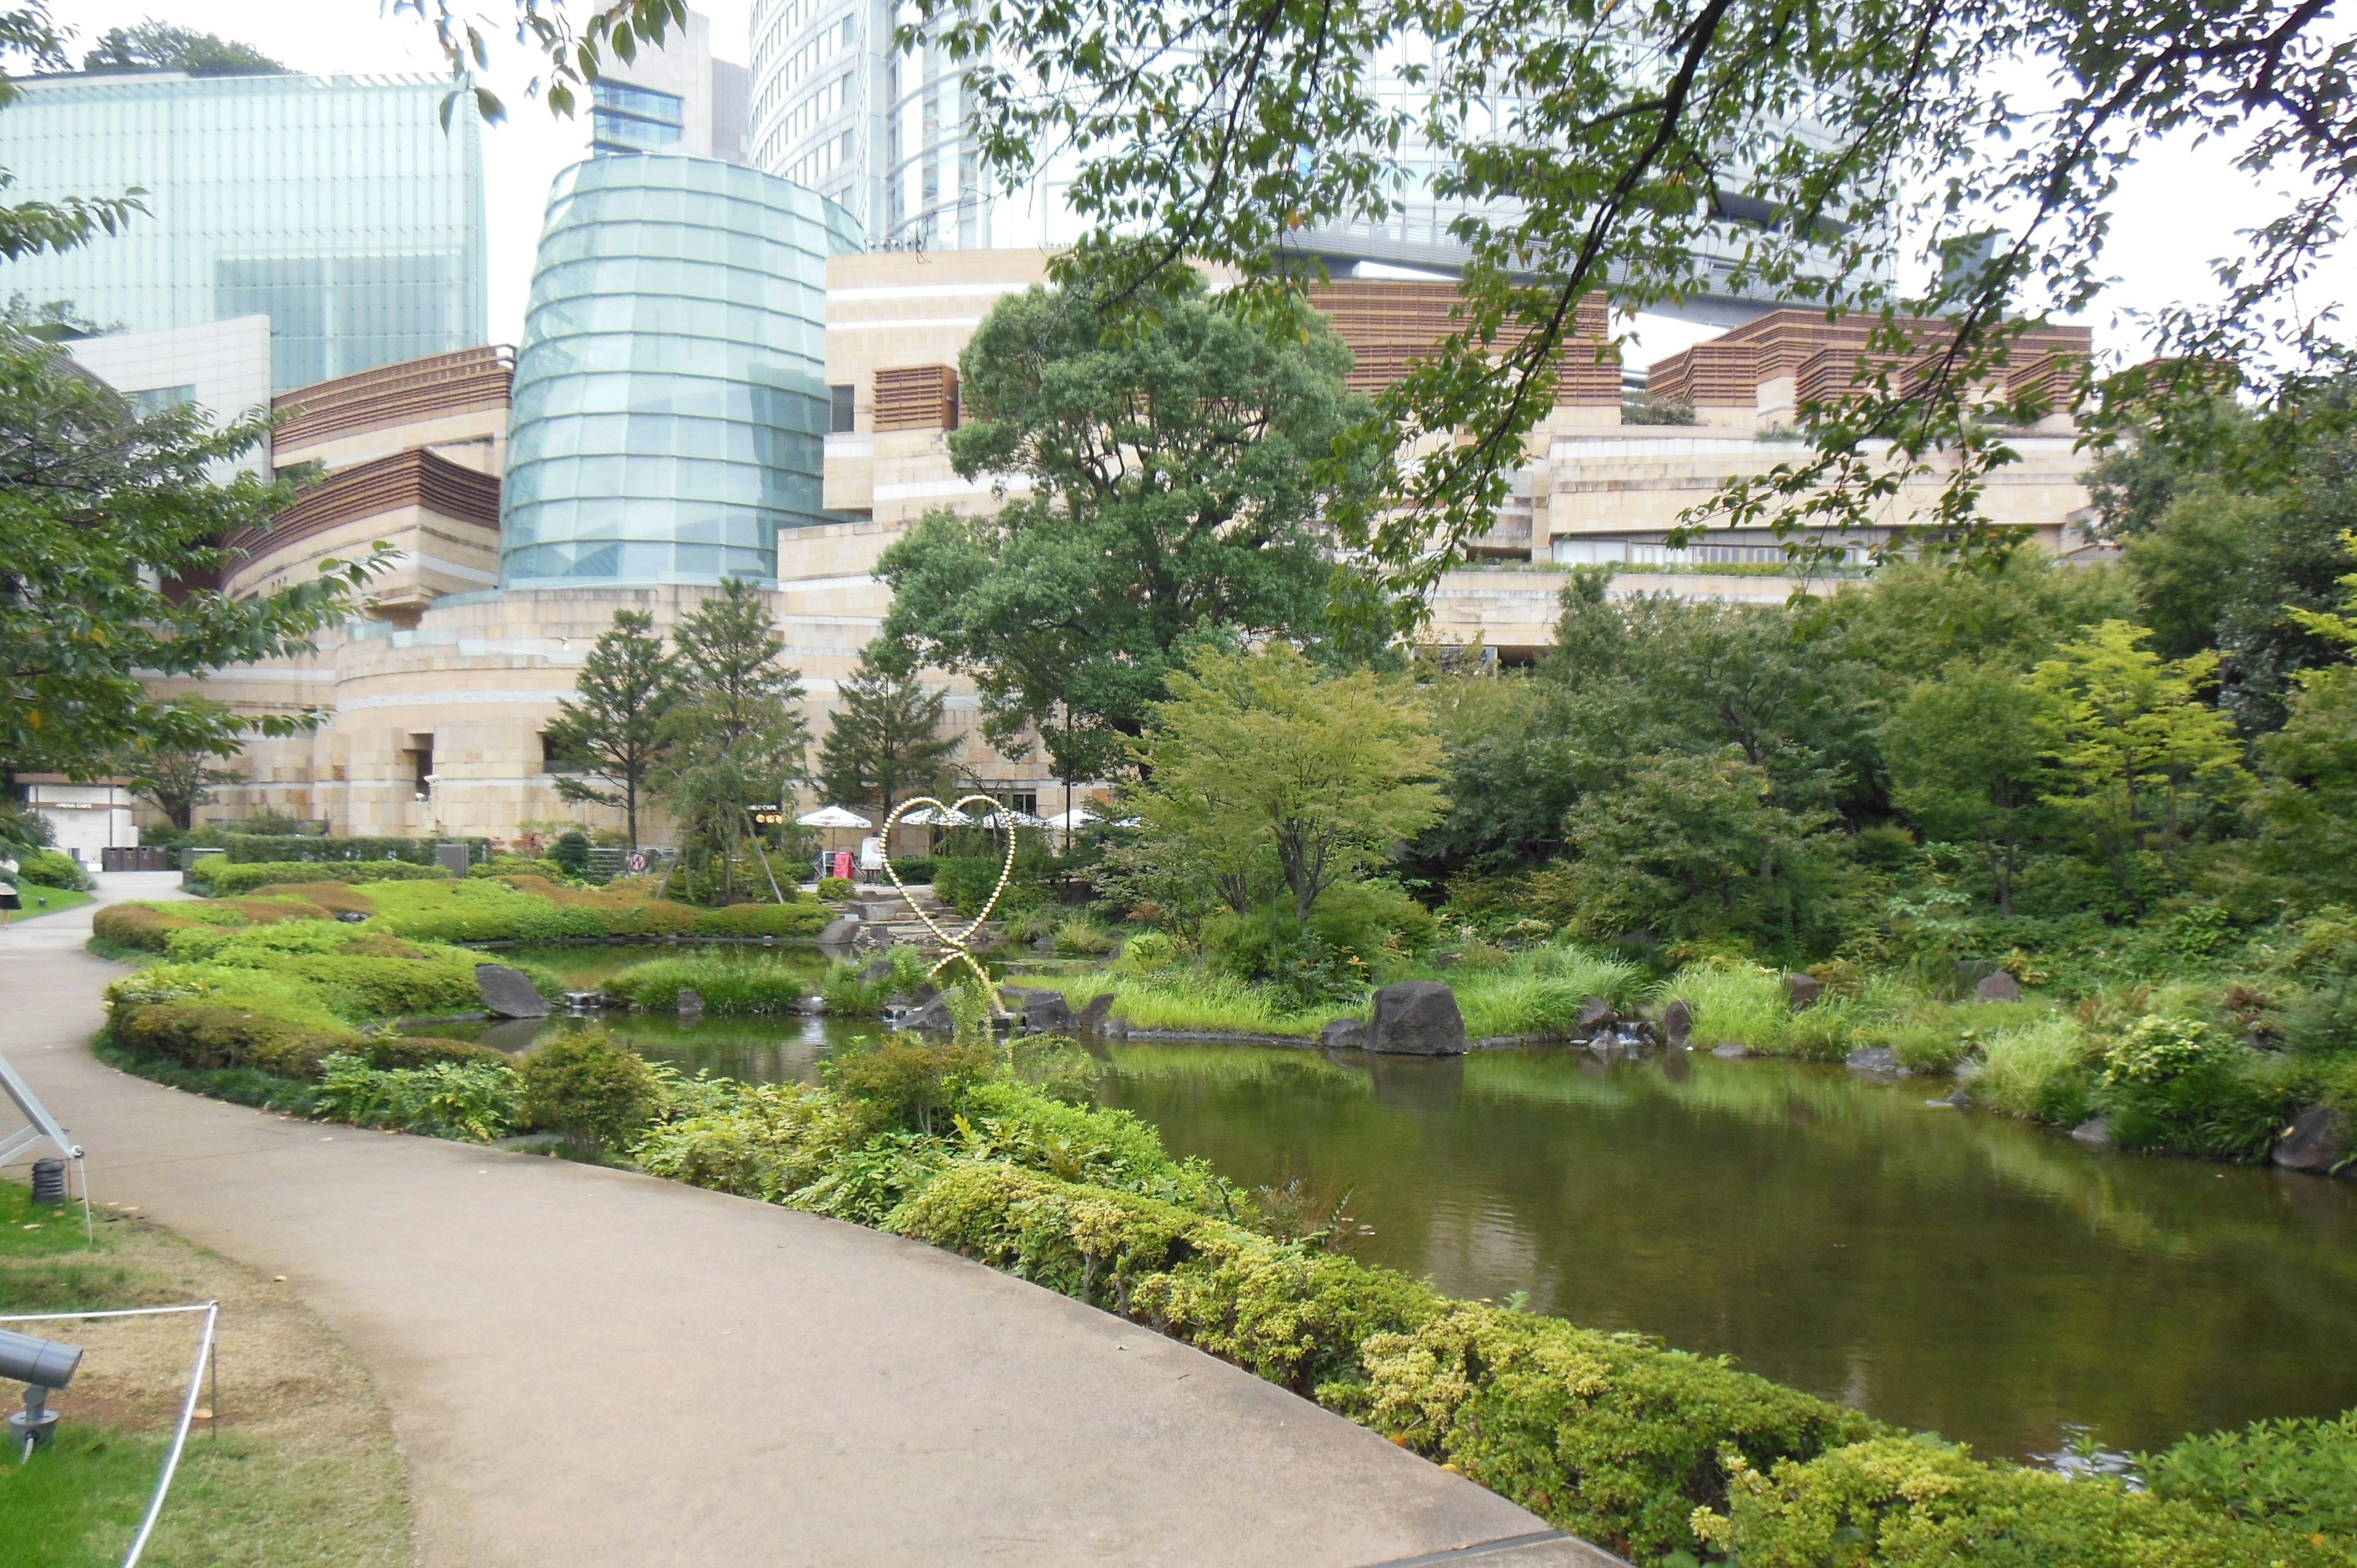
point(2176, 209)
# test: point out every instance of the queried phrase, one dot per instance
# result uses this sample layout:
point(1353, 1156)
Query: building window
point(627, 119)
point(842, 417)
point(152, 400)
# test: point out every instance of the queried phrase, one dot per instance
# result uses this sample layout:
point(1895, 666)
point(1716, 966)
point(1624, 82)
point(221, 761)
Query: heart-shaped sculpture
point(956, 943)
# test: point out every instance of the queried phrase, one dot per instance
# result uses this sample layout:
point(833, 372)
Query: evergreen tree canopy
point(612, 725)
point(884, 740)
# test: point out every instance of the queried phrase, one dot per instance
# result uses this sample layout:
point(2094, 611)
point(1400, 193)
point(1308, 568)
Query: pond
point(1943, 1270)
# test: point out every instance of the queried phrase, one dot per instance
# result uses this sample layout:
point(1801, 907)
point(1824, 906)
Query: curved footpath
point(588, 1366)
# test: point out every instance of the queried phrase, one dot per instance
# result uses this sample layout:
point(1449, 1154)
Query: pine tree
point(613, 726)
point(736, 737)
point(885, 741)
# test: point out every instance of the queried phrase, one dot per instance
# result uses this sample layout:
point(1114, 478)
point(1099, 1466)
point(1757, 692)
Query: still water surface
point(1945, 1269)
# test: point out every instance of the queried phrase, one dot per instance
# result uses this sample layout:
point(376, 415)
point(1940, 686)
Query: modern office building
point(676, 99)
point(339, 207)
point(222, 367)
point(670, 400)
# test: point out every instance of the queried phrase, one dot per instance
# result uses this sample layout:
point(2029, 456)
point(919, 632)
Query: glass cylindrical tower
point(670, 404)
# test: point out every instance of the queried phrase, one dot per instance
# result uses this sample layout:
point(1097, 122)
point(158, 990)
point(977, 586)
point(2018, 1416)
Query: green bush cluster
point(215, 877)
point(2299, 1475)
point(587, 1088)
point(195, 1034)
point(53, 868)
point(727, 984)
point(849, 992)
point(473, 1101)
point(1916, 1502)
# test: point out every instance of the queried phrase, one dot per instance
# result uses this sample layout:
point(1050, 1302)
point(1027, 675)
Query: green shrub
point(768, 1141)
point(146, 926)
point(516, 866)
point(588, 1087)
point(2041, 1070)
point(916, 870)
point(802, 918)
point(1080, 936)
point(473, 1101)
point(2296, 1474)
point(850, 995)
point(200, 1035)
point(53, 868)
point(837, 888)
point(1376, 921)
point(479, 911)
point(965, 883)
point(727, 984)
point(1291, 958)
point(2181, 1086)
point(571, 852)
point(254, 849)
point(1734, 1003)
point(1902, 1502)
point(909, 1082)
point(1609, 1436)
point(218, 878)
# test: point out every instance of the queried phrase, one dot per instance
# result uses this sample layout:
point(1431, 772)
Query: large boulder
point(1595, 1014)
point(1042, 1012)
point(932, 1015)
point(1416, 1018)
point(1344, 1035)
point(839, 932)
point(1997, 987)
point(509, 992)
point(1876, 1061)
point(2095, 1134)
point(2317, 1141)
point(1092, 1016)
point(690, 1003)
point(1801, 990)
point(1678, 1024)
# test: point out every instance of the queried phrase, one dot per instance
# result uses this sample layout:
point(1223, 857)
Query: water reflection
point(1942, 1269)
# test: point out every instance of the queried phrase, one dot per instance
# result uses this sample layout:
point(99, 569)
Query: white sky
point(2175, 211)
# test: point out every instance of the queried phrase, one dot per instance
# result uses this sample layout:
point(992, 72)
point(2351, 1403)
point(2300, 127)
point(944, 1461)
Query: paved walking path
point(588, 1366)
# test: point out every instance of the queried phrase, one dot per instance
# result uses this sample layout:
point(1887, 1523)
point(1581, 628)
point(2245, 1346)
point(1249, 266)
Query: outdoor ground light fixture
point(43, 1365)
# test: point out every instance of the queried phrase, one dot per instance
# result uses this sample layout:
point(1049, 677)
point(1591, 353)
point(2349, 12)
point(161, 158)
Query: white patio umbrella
point(1020, 819)
point(1078, 816)
point(832, 818)
point(927, 817)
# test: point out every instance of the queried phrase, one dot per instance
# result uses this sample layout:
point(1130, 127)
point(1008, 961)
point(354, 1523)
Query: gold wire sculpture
point(956, 944)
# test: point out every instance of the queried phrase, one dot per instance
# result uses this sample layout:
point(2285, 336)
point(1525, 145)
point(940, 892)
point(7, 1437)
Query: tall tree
point(178, 779)
point(736, 738)
point(613, 722)
point(109, 527)
point(160, 46)
point(2306, 805)
point(1172, 481)
point(1265, 754)
point(883, 742)
point(2144, 761)
point(1967, 760)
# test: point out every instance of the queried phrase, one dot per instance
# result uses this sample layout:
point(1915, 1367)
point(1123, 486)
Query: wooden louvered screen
point(416, 477)
point(1390, 324)
point(1821, 356)
point(917, 397)
point(395, 394)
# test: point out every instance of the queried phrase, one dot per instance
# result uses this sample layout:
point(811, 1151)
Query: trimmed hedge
point(1916, 1502)
point(146, 926)
point(53, 868)
point(802, 918)
point(196, 1035)
point(254, 849)
point(726, 985)
point(215, 877)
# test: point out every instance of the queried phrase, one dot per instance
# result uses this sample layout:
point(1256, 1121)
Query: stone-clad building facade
point(433, 704)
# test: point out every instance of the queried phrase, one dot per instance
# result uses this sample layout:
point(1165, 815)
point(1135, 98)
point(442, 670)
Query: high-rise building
point(338, 205)
point(671, 404)
point(675, 99)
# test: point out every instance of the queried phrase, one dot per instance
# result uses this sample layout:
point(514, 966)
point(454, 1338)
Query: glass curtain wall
point(337, 205)
point(671, 406)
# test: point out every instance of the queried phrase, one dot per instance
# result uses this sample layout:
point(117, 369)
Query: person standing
point(10, 902)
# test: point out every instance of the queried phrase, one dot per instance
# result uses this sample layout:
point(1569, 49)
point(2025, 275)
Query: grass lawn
point(40, 901)
point(301, 1469)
